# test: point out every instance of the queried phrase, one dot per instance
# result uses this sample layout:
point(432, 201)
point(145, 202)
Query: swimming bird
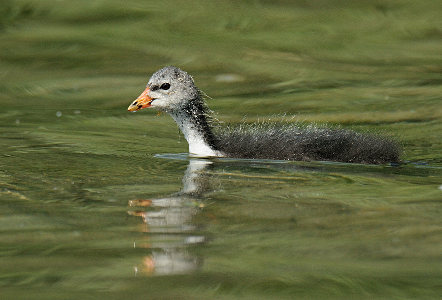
point(173, 91)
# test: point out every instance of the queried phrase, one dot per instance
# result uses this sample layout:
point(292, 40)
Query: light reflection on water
point(168, 225)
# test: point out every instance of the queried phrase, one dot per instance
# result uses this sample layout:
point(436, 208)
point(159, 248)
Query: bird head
point(168, 89)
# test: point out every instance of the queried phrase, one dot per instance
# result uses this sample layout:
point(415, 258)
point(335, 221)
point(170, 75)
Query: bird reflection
point(168, 221)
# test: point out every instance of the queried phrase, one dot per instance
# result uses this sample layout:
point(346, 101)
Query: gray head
point(169, 89)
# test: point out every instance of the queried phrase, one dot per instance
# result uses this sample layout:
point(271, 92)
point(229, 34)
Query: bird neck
point(193, 123)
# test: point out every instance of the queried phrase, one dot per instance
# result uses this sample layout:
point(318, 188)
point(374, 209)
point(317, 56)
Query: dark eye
point(165, 86)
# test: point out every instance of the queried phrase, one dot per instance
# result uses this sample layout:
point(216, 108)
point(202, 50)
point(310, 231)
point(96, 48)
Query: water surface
point(97, 202)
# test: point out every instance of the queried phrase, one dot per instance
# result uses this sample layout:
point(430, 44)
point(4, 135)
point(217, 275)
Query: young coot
point(173, 91)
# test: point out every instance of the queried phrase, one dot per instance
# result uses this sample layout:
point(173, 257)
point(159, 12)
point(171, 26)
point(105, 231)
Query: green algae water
point(97, 202)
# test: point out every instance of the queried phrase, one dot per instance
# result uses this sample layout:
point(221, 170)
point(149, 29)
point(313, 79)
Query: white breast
point(198, 147)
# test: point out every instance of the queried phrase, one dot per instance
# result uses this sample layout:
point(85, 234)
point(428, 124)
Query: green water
point(97, 202)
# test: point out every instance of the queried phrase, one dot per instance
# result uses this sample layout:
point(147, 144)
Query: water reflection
point(168, 221)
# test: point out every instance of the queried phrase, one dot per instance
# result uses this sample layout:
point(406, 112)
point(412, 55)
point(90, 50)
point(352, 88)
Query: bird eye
point(165, 86)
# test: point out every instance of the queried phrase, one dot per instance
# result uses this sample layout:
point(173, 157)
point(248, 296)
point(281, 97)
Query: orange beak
point(141, 102)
